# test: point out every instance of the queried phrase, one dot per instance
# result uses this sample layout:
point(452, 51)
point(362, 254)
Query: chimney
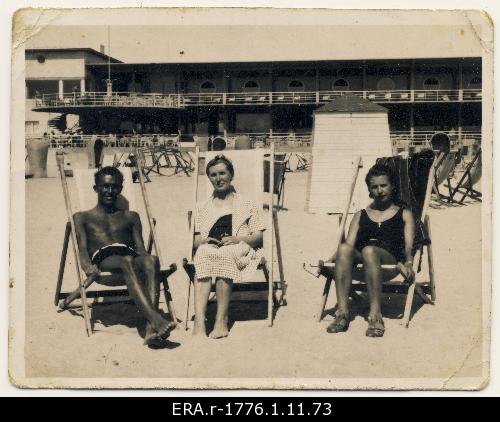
point(102, 49)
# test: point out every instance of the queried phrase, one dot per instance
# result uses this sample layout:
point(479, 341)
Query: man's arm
point(137, 233)
point(81, 236)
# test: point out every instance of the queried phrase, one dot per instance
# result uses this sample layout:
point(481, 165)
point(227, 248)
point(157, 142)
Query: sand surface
point(443, 341)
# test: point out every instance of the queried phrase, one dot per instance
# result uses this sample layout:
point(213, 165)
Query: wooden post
point(69, 210)
point(271, 228)
point(357, 164)
point(152, 226)
point(191, 227)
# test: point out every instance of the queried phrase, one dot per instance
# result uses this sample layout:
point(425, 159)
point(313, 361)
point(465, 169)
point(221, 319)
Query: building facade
point(85, 89)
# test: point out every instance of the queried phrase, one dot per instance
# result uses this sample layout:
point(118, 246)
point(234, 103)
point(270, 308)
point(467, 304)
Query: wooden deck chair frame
point(266, 265)
point(84, 283)
point(421, 288)
point(444, 179)
point(465, 185)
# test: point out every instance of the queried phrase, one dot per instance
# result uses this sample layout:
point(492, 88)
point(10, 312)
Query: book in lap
point(223, 227)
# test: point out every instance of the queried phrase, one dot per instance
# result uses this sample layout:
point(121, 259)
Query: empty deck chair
point(249, 180)
point(415, 186)
point(86, 199)
point(466, 183)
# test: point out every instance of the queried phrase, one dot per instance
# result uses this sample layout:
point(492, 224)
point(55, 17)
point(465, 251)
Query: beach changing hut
point(344, 129)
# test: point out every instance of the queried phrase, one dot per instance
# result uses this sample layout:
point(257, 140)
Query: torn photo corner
point(125, 122)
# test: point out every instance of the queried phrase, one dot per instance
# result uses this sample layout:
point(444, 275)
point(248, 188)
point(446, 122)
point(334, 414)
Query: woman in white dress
point(228, 242)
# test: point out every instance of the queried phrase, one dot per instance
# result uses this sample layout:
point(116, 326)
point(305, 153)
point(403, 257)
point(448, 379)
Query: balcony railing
point(132, 99)
point(100, 99)
point(400, 140)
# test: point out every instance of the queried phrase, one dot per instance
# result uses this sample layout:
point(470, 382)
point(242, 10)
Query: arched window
point(251, 86)
point(207, 87)
point(340, 85)
point(386, 84)
point(431, 83)
point(475, 82)
point(296, 86)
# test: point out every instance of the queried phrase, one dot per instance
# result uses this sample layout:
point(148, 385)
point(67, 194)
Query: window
point(296, 86)
point(208, 87)
point(431, 83)
point(31, 126)
point(340, 85)
point(386, 84)
point(475, 82)
point(251, 86)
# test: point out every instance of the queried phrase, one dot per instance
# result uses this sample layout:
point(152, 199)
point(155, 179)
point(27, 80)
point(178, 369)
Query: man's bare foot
point(220, 329)
point(199, 328)
point(162, 327)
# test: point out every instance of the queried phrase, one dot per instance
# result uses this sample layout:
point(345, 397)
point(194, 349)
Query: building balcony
point(401, 140)
point(80, 101)
point(73, 102)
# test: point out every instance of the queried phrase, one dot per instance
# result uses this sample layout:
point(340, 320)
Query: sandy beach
point(443, 341)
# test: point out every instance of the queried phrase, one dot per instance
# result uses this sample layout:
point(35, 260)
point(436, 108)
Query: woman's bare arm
point(352, 234)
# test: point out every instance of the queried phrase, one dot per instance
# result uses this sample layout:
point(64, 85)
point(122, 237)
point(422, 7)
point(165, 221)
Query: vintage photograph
point(251, 198)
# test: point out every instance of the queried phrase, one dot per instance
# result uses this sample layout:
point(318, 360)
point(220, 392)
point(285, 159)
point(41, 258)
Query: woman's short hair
point(384, 170)
point(221, 159)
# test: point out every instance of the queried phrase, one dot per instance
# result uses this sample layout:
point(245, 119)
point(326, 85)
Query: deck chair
point(86, 199)
point(445, 166)
point(249, 179)
point(415, 185)
point(280, 164)
point(466, 183)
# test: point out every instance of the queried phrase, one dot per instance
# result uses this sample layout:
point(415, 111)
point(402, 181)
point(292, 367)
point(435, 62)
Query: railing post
point(412, 95)
point(270, 97)
point(224, 98)
point(364, 95)
point(317, 97)
point(460, 95)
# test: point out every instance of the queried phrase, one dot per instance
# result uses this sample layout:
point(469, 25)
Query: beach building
point(425, 88)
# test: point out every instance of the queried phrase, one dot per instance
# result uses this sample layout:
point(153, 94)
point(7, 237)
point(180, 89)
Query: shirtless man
point(110, 240)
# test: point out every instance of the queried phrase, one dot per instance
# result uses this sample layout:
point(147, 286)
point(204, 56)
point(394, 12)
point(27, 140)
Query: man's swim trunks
point(112, 250)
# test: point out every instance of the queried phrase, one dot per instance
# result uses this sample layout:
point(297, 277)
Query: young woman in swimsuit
point(383, 233)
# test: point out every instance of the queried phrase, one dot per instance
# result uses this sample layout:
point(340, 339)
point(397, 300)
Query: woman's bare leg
point(202, 288)
point(223, 288)
point(344, 259)
point(373, 258)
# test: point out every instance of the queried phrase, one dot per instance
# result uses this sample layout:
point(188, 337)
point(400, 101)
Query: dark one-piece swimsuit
point(114, 249)
point(388, 234)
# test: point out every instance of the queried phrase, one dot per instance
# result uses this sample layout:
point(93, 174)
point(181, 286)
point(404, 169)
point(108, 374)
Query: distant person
point(110, 239)
point(383, 233)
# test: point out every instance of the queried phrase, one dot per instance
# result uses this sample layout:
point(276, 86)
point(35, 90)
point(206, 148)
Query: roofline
point(86, 50)
point(274, 64)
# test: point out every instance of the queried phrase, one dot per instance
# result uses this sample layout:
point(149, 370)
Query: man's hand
point(90, 270)
point(407, 271)
point(229, 240)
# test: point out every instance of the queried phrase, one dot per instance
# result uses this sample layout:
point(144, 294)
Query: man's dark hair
point(218, 159)
point(109, 171)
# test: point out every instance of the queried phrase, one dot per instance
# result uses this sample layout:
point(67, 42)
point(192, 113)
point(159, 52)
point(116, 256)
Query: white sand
point(443, 340)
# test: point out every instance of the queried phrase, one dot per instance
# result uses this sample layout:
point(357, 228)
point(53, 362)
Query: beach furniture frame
point(465, 185)
point(241, 160)
point(65, 299)
point(445, 166)
point(423, 289)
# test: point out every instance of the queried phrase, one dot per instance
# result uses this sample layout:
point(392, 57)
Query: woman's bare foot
point(220, 329)
point(199, 328)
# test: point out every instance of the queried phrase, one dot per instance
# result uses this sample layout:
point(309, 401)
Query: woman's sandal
point(376, 327)
point(339, 325)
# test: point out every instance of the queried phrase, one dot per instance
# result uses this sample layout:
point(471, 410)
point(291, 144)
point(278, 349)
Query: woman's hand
point(407, 270)
point(211, 241)
point(229, 240)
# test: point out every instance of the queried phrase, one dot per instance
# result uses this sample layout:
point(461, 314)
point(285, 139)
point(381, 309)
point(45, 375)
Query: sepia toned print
point(297, 202)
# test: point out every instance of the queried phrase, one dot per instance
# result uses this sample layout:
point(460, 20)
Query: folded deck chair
point(416, 175)
point(445, 166)
point(465, 185)
point(85, 199)
point(249, 178)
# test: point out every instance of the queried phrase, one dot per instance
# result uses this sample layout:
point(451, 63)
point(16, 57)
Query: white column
point(61, 89)
point(82, 86)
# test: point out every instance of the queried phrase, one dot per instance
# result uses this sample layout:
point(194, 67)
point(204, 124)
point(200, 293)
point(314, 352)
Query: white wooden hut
point(348, 127)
